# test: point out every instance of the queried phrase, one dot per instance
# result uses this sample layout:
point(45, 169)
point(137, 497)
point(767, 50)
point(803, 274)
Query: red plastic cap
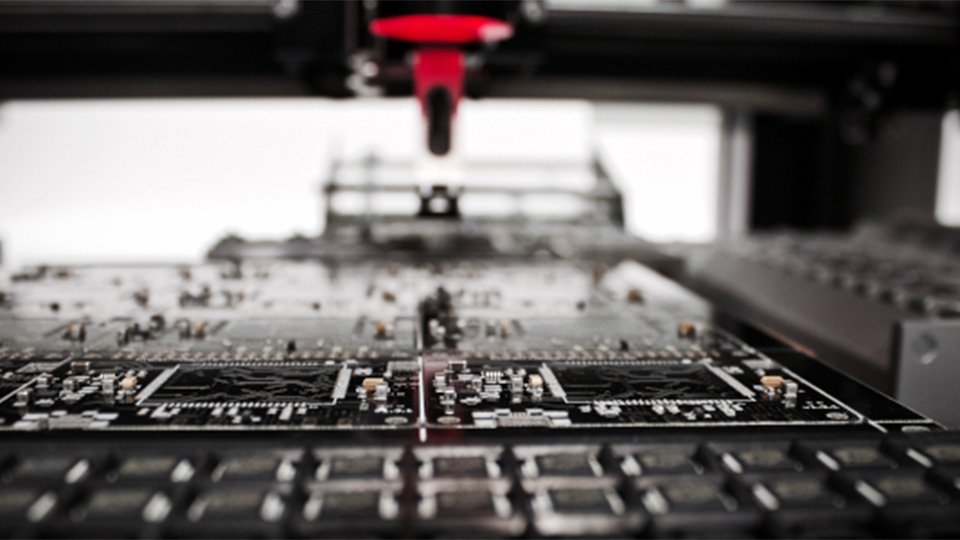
point(442, 28)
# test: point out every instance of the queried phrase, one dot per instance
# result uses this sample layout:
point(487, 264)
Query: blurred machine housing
point(881, 302)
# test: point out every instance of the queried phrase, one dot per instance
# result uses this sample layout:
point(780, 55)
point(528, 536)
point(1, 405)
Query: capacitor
point(128, 384)
point(370, 383)
point(80, 367)
point(771, 381)
point(76, 331)
point(199, 329)
point(536, 388)
point(686, 330)
point(24, 397)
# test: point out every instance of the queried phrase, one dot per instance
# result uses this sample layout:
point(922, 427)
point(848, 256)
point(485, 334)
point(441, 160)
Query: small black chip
point(580, 501)
point(692, 495)
point(663, 461)
point(355, 467)
point(147, 467)
point(259, 467)
point(459, 467)
point(118, 503)
point(799, 492)
point(65, 468)
point(855, 457)
point(465, 503)
point(905, 489)
point(759, 460)
point(14, 503)
point(579, 464)
point(236, 503)
point(943, 454)
point(349, 504)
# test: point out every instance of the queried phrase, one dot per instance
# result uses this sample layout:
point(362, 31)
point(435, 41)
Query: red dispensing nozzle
point(442, 29)
point(439, 64)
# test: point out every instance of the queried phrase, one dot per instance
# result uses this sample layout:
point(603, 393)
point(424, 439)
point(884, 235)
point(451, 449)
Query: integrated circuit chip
point(654, 381)
point(238, 383)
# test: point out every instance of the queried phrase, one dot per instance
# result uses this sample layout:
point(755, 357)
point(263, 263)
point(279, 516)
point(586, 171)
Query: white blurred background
point(161, 180)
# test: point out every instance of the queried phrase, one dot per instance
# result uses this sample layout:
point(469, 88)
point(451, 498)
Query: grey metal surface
point(928, 376)
point(880, 304)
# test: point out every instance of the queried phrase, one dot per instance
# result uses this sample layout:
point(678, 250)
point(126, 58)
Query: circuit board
point(98, 393)
point(624, 392)
point(380, 346)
